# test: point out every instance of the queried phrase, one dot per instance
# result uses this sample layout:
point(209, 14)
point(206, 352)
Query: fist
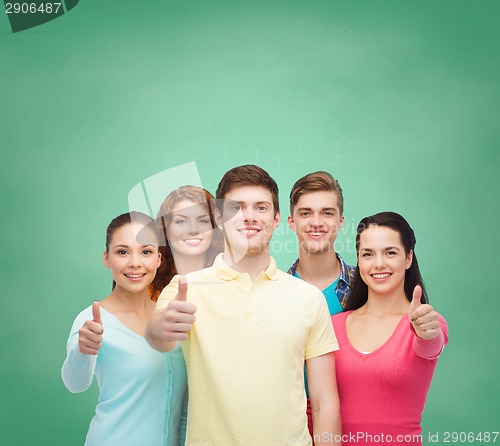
point(178, 318)
point(423, 318)
point(90, 335)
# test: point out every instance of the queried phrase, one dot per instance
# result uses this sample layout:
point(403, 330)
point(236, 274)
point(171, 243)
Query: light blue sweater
point(143, 393)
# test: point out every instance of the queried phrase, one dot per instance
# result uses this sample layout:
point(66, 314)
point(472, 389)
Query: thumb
point(183, 287)
point(416, 300)
point(96, 312)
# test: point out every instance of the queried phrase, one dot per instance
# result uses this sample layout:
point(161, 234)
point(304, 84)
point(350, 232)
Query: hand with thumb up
point(178, 317)
point(423, 318)
point(90, 335)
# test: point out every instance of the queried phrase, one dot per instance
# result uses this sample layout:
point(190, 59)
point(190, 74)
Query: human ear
point(291, 223)
point(341, 222)
point(409, 259)
point(277, 219)
point(218, 218)
point(105, 259)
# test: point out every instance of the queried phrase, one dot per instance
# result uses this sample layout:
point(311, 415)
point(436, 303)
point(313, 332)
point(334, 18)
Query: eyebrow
point(385, 249)
point(126, 246)
point(187, 216)
point(244, 202)
point(310, 209)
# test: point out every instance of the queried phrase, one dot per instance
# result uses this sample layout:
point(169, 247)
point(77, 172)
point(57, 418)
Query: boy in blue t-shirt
point(316, 216)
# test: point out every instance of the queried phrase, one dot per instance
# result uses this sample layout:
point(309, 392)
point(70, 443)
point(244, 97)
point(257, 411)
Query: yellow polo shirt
point(245, 355)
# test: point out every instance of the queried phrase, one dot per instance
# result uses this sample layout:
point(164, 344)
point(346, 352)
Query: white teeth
point(316, 233)
point(249, 231)
point(134, 276)
point(192, 240)
point(381, 276)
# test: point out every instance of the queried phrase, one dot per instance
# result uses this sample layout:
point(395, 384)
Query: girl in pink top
point(390, 338)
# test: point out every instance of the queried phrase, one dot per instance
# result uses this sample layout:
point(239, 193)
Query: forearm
point(429, 349)
point(153, 333)
point(432, 348)
point(327, 426)
point(324, 398)
point(78, 369)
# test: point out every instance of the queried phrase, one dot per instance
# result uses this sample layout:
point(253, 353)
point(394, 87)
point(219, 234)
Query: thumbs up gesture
point(178, 317)
point(423, 318)
point(90, 335)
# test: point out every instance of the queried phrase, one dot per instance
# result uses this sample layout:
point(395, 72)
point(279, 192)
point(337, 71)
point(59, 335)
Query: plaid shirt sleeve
point(293, 268)
point(346, 281)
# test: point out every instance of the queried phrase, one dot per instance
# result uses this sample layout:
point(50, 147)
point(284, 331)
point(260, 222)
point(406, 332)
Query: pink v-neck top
point(383, 393)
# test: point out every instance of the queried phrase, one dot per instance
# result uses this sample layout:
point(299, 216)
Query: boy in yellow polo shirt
point(246, 329)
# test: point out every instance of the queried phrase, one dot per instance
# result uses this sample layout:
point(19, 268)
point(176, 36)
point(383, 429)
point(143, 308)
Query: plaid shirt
point(346, 279)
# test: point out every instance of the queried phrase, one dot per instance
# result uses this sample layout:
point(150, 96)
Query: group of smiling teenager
point(198, 303)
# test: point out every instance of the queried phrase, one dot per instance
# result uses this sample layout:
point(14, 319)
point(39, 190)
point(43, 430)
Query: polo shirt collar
point(225, 272)
point(272, 271)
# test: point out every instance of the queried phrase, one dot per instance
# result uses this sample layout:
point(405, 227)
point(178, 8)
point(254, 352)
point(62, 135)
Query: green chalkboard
point(397, 99)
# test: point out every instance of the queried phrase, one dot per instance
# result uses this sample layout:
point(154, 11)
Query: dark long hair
point(126, 219)
point(359, 294)
point(167, 269)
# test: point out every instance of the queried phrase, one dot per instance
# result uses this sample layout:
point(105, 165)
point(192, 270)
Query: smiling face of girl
point(190, 229)
point(382, 261)
point(133, 257)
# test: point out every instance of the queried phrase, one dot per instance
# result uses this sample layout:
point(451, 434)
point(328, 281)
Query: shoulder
point(340, 318)
point(288, 280)
point(348, 269)
point(84, 315)
point(196, 280)
point(107, 318)
point(298, 292)
point(202, 274)
point(339, 324)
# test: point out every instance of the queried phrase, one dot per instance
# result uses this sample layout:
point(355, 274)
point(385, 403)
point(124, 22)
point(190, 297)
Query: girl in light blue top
point(143, 393)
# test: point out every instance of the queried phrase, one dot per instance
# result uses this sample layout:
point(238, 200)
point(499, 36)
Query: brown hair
point(167, 269)
point(314, 182)
point(126, 219)
point(247, 175)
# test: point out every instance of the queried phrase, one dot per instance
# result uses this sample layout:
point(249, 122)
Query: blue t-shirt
point(330, 295)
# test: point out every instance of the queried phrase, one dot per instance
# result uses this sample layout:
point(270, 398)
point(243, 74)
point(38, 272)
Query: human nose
point(134, 260)
point(379, 261)
point(315, 219)
point(193, 227)
point(248, 214)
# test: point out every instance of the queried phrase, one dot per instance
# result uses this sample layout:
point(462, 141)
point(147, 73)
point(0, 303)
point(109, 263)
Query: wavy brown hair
point(247, 175)
point(314, 182)
point(167, 269)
